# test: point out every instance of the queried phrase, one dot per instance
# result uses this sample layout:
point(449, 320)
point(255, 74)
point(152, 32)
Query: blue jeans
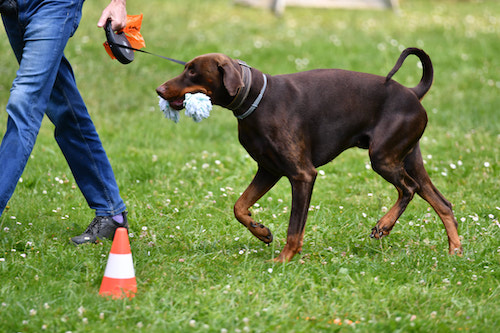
point(45, 84)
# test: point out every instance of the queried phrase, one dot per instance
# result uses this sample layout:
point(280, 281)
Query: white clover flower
point(81, 310)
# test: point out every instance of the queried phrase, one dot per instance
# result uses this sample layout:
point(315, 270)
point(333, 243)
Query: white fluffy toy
point(198, 107)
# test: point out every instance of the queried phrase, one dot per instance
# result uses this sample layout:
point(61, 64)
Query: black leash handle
point(119, 40)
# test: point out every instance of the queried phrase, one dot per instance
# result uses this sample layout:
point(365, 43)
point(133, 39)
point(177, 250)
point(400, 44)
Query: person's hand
point(117, 12)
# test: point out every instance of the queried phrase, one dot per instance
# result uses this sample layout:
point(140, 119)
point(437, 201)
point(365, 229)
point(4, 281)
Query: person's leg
point(38, 37)
point(78, 139)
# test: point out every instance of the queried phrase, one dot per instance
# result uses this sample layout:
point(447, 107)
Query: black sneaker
point(100, 227)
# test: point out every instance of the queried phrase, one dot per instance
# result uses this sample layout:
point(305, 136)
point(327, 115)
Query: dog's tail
point(428, 72)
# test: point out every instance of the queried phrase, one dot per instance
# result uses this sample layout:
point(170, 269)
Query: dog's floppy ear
point(231, 77)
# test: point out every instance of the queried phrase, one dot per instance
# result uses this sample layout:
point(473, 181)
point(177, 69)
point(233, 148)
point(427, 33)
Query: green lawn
point(198, 269)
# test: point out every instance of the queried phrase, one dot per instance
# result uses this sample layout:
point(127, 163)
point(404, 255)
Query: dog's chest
point(273, 146)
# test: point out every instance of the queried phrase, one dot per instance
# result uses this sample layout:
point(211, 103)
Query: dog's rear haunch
point(291, 124)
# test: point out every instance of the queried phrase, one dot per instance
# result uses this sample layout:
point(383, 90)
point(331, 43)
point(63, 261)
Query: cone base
point(118, 288)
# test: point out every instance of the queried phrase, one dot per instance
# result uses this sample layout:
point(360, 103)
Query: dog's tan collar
point(242, 93)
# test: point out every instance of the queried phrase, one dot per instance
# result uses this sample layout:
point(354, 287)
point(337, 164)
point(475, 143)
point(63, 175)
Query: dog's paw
point(261, 232)
point(378, 233)
point(456, 251)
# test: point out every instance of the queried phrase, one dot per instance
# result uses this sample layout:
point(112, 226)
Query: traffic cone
point(119, 276)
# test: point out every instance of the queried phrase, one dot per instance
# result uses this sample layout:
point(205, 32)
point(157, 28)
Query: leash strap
point(156, 55)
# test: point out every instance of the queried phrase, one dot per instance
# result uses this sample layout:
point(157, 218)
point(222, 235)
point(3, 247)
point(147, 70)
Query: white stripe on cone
point(120, 266)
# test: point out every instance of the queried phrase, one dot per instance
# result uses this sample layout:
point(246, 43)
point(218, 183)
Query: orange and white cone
point(119, 276)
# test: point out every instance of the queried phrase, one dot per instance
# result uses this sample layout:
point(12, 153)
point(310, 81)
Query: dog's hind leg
point(414, 165)
point(406, 186)
point(388, 150)
point(260, 185)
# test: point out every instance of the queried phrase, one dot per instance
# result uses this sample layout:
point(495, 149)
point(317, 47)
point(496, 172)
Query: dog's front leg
point(302, 187)
point(260, 185)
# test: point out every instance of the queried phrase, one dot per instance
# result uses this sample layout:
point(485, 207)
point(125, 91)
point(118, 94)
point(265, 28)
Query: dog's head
point(216, 75)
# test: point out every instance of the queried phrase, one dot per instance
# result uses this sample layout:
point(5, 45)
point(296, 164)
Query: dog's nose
point(160, 90)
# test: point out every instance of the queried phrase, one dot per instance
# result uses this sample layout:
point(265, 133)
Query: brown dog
point(291, 124)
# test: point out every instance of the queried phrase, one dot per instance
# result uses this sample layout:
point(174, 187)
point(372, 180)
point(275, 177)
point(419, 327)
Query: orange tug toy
point(119, 277)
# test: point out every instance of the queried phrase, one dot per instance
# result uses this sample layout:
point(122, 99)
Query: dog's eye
point(191, 72)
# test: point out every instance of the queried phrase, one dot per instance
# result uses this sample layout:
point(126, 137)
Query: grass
point(198, 269)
